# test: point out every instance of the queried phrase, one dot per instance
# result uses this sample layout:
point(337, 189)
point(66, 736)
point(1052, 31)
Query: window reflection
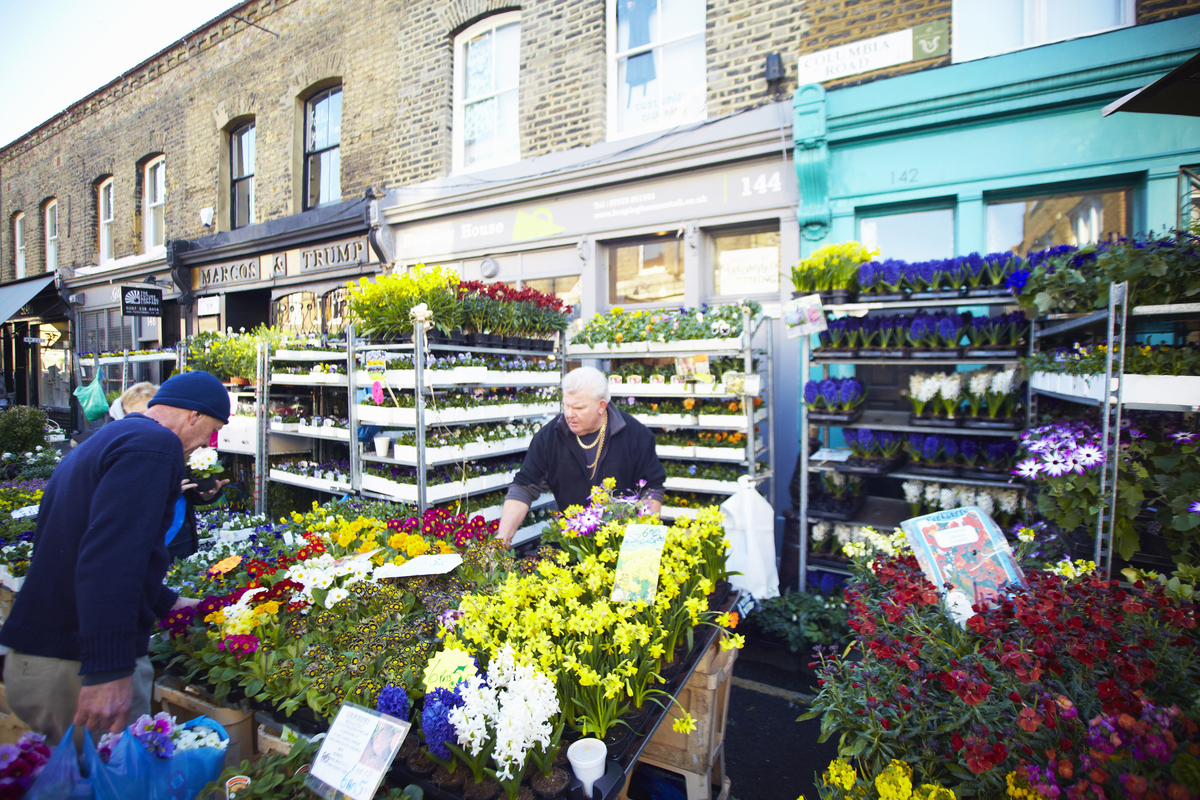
point(1035, 223)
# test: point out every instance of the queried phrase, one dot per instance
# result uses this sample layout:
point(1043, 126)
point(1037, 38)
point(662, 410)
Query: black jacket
point(556, 460)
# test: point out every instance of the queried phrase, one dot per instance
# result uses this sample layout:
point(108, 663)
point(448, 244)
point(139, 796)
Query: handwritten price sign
point(356, 753)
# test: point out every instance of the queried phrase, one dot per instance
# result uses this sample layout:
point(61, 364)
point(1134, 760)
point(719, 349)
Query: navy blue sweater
point(94, 588)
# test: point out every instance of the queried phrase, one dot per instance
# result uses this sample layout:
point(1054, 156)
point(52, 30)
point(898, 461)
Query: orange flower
point(689, 402)
point(654, 406)
point(733, 405)
point(620, 337)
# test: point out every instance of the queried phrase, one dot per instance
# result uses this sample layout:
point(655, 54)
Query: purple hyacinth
point(828, 390)
point(851, 437)
point(868, 273)
point(920, 329)
point(811, 393)
point(850, 392)
point(916, 441)
point(866, 440)
point(889, 443)
point(969, 450)
point(435, 721)
point(927, 271)
point(1016, 280)
point(931, 447)
point(949, 330)
point(891, 273)
point(949, 447)
point(393, 701)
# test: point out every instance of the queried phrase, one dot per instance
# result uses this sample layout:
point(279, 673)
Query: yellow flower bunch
point(12, 499)
point(834, 266)
point(1020, 789)
point(1071, 570)
point(894, 782)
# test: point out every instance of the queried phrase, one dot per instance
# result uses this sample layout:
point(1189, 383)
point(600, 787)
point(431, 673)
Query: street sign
point(138, 302)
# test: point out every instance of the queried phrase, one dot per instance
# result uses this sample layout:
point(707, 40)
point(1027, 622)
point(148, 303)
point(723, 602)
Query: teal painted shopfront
point(1007, 152)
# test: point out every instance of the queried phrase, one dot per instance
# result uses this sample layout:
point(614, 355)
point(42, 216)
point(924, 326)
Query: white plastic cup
point(587, 758)
point(382, 445)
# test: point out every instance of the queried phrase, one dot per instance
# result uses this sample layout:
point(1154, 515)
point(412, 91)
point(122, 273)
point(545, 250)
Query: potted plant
point(204, 466)
point(832, 271)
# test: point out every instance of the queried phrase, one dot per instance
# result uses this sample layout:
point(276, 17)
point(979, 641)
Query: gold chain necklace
point(598, 444)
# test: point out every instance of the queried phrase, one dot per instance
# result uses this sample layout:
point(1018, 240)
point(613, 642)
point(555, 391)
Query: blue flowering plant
point(870, 444)
point(834, 394)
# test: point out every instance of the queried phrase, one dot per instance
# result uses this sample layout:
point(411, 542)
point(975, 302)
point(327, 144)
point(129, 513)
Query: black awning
point(14, 296)
point(1177, 92)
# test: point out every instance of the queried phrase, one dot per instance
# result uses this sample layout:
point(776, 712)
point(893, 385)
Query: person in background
point(79, 629)
point(590, 441)
point(133, 400)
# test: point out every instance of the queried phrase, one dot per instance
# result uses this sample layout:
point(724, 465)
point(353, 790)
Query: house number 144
point(762, 184)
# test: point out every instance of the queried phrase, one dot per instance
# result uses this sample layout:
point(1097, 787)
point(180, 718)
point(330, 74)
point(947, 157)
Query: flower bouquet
point(834, 399)
point(160, 755)
point(21, 763)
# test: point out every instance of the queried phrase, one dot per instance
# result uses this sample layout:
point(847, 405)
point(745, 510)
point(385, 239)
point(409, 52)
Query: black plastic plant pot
point(936, 470)
point(834, 352)
point(869, 466)
point(939, 294)
point(835, 416)
point(988, 291)
point(836, 510)
point(882, 297)
point(991, 352)
point(934, 352)
point(994, 424)
point(205, 485)
point(927, 421)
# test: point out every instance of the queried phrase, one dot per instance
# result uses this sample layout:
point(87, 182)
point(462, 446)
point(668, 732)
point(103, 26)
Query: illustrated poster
point(638, 562)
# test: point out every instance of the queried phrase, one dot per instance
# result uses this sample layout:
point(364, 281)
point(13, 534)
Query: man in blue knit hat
point(80, 627)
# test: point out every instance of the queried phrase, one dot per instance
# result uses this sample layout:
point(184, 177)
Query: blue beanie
point(194, 391)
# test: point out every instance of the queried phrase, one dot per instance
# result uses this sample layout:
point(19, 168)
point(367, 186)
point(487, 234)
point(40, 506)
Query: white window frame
point(154, 202)
point(104, 225)
point(460, 88)
point(19, 242)
point(311, 150)
point(247, 176)
point(1035, 26)
point(612, 58)
point(50, 225)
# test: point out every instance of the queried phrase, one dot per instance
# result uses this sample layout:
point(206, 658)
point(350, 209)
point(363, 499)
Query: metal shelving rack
point(884, 512)
point(419, 346)
point(1111, 400)
point(750, 330)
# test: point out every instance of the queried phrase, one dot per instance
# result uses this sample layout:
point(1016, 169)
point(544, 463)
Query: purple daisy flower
point(1194, 507)
point(1054, 464)
point(1029, 468)
point(1183, 437)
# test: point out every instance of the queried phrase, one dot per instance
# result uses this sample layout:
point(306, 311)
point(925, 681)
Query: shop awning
point(14, 296)
point(1177, 92)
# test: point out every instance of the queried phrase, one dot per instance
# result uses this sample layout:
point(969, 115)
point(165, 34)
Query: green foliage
point(231, 355)
point(804, 620)
point(22, 429)
point(834, 266)
point(272, 776)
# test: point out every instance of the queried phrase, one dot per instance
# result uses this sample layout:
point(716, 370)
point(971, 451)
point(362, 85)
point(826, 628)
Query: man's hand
point(511, 516)
point(206, 496)
point(105, 706)
point(185, 602)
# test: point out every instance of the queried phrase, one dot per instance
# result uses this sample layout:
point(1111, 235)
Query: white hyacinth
point(1008, 500)
point(985, 501)
point(948, 499)
point(1002, 382)
point(844, 534)
point(933, 492)
point(820, 532)
point(950, 385)
point(966, 495)
point(979, 382)
point(923, 387)
point(912, 491)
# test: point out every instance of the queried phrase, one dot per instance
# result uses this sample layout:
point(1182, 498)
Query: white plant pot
point(674, 451)
point(700, 485)
point(400, 378)
point(470, 374)
point(405, 492)
point(382, 444)
point(1182, 390)
point(370, 414)
point(586, 350)
point(405, 452)
point(721, 453)
point(475, 449)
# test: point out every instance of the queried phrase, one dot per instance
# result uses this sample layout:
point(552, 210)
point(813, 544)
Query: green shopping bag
point(92, 400)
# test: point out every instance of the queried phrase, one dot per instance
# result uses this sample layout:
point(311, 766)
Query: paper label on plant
point(375, 363)
point(26, 512)
point(804, 316)
point(447, 669)
point(638, 563)
point(356, 754)
point(421, 565)
point(952, 537)
point(962, 551)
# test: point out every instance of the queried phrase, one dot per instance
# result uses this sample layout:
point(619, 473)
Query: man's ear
point(603, 406)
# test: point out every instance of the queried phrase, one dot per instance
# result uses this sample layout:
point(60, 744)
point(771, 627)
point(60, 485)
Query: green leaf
point(808, 716)
point(254, 687)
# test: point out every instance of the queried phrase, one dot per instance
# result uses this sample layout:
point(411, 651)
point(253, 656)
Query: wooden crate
point(706, 698)
point(185, 703)
point(271, 741)
point(712, 784)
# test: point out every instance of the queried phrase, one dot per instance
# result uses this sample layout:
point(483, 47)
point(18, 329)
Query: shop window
point(297, 313)
point(989, 27)
point(567, 288)
point(486, 70)
point(104, 220)
point(54, 381)
point(334, 310)
point(322, 148)
point(745, 262)
point(155, 211)
point(910, 236)
point(649, 271)
point(19, 245)
point(1034, 223)
point(1189, 197)
point(50, 223)
point(241, 176)
point(656, 65)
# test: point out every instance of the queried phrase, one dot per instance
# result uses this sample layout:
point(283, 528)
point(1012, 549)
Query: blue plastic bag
point(60, 778)
point(133, 771)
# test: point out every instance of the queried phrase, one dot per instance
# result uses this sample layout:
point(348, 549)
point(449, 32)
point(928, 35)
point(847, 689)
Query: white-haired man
point(590, 441)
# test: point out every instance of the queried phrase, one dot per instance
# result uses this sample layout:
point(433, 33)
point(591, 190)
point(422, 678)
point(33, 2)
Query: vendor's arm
point(114, 555)
point(105, 706)
point(511, 517)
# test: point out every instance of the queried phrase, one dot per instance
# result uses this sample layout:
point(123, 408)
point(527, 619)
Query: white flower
point(985, 501)
point(948, 499)
point(966, 495)
point(1008, 500)
point(843, 533)
point(912, 491)
point(820, 532)
point(923, 387)
point(1002, 382)
point(933, 491)
point(950, 385)
point(202, 459)
point(978, 382)
point(335, 596)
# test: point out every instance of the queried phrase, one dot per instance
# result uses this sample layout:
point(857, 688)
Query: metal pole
point(261, 435)
point(1118, 293)
point(769, 439)
point(352, 413)
point(804, 367)
point(747, 400)
point(125, 372)
point(418, 338)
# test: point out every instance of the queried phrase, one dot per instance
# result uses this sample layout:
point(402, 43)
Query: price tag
point(25, 512)
point(804, 315)
point(375, 363)
point(421, 565)
point(637, 565)
point(447, 669)
point(356, 754)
